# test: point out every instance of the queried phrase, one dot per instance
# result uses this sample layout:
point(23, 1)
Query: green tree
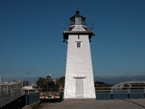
point(61, 81)
point(40, 82)
point(102, 84)
point(48, 80)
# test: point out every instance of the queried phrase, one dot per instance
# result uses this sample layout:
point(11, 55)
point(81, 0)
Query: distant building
point(23, 83)
point(32, 84)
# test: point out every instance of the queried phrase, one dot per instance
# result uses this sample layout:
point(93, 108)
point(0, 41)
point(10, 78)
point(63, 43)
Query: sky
point(31, 38)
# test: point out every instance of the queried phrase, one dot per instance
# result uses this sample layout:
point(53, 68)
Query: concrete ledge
point(79, 99)
point(31, 105)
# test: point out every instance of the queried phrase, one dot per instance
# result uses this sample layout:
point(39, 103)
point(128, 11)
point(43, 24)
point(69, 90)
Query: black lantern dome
point(77, 19)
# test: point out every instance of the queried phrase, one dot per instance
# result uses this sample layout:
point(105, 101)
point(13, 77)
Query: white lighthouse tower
point(79, 80)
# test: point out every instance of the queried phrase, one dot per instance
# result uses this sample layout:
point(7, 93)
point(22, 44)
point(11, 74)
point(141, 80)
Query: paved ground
point(97, 104)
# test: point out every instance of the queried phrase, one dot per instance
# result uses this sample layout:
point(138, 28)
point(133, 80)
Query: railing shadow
point(134, 103)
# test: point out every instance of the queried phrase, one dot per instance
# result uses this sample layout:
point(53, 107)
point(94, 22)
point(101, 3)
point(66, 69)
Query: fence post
point(111, 93)
point(27, 98)
point(128, 92)
point(0, 91)
point(144, 92)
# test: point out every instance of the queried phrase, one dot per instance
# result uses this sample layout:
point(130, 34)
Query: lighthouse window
point(78, 44)
point(72, 21)
point(77, 20)
point(83, 22)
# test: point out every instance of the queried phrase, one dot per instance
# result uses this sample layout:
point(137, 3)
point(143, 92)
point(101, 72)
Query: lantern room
point(77, 19)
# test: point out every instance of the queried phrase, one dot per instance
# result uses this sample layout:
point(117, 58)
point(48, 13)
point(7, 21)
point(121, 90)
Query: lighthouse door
point(79, 88)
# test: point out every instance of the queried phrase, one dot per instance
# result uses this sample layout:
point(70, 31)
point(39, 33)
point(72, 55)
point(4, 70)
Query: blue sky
point(31, 37)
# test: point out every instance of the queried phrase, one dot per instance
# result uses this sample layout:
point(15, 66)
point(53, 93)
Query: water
point(33, 97)
point(120, 96)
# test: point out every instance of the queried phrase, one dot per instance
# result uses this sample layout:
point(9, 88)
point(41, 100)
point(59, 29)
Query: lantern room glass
point(77, 21)
point(83, 22)
point(72, 21)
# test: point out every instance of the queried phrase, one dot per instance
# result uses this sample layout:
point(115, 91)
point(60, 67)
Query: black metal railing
point(117, 91)
point(9, 92)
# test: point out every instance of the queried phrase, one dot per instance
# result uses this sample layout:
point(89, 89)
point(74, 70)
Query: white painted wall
point(79, 64)
point(78, 28)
